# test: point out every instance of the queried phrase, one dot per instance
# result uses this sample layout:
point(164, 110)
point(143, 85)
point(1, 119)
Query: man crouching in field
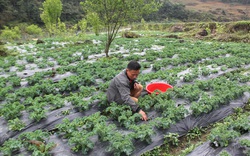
point(124, 89)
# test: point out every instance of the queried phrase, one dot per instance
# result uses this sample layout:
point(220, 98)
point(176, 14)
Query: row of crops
point(53, 100)
point(232, 133)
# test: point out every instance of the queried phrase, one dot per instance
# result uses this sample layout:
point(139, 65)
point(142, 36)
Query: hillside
point(226, 11)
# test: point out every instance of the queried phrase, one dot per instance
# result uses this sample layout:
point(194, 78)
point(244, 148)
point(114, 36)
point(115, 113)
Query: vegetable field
point(53, 101)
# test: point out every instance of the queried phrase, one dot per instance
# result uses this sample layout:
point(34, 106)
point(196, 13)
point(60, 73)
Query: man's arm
point(124, 91)
point(144, 115)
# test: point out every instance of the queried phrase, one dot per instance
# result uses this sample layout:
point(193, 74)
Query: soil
point(185, 142)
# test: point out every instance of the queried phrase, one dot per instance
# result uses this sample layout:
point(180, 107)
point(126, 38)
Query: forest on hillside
point(18, 11)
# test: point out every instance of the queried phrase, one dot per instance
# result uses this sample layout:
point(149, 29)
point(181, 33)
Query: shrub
point(82, 24)
point(10, 33)
point(144, 24)
point(6, 52)
point(22, 26)
point(61, 26)
point(3, 51)
point(73, 29)
point(34, 30)
point(240, 26)
point(95, 22)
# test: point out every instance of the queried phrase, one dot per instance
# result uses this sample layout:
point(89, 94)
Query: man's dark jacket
point(119, 91)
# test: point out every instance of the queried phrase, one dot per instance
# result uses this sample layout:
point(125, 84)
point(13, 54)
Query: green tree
point(52, 10)
point(72, 11)
point(95, 22)
point(34, 30)
point(116, 13)
point(82, 24)
point(10, 34)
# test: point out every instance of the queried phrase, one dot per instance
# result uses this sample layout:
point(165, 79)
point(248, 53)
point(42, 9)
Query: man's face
point(132, 74)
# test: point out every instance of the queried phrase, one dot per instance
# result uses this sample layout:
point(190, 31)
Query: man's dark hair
point(133, 65)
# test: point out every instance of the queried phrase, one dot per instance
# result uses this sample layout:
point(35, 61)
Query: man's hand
point(136, 86)
point(144, 115)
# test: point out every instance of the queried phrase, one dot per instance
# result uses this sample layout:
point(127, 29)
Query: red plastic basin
point(161, 86)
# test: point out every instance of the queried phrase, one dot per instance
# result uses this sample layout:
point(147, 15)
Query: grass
point(233, 11)
point(185, 146)
point(217, 31)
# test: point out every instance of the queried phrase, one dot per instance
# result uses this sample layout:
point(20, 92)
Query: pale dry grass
point(234, 11)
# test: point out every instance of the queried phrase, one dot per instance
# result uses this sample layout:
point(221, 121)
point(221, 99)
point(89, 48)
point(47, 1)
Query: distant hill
point(19, 11)
point(223, 10)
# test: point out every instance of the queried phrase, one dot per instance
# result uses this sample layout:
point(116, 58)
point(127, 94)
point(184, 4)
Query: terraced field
point(53, 101)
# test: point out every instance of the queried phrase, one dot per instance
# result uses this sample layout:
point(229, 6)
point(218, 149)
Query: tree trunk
point(107, 47)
